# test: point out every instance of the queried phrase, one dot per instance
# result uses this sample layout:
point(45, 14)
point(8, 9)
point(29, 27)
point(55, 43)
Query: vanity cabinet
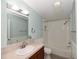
point(39, 54)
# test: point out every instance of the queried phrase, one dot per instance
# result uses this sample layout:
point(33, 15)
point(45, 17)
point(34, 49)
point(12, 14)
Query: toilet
point(48, 52)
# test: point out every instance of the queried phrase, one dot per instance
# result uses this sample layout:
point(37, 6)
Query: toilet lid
point(47, 50)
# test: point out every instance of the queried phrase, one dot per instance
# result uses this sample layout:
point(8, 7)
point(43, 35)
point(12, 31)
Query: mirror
point(17, 27)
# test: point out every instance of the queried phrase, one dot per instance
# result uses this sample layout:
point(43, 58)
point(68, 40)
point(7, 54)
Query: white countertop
point(8, 53)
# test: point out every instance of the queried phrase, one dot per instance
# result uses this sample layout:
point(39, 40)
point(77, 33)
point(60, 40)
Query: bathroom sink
point(26, 50)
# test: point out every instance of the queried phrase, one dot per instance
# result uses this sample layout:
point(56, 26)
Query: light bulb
point(57, 3)
point(14, 7)
point(25, 11)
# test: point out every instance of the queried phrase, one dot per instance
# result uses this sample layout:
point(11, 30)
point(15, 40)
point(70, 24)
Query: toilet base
point(47, 56)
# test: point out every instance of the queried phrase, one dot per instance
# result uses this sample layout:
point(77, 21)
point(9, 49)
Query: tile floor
point(52, 56)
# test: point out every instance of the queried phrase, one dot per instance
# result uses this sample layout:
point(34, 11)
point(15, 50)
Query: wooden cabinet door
point(38, 55)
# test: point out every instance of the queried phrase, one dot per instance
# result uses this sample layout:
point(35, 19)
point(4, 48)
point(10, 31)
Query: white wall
point(74, 47)
point(73, 32)
point(35, 21)
point(3, 24)
point(73, 19)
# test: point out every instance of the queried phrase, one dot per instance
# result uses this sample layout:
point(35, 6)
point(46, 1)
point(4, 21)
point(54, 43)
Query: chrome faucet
point(24, 43)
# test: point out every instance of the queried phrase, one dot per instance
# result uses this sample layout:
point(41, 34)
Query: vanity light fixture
point(58, 3)
point(14, 7)
point(26, 12)
point(17, 9)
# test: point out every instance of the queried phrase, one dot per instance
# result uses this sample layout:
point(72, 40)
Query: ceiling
point(49, 11)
